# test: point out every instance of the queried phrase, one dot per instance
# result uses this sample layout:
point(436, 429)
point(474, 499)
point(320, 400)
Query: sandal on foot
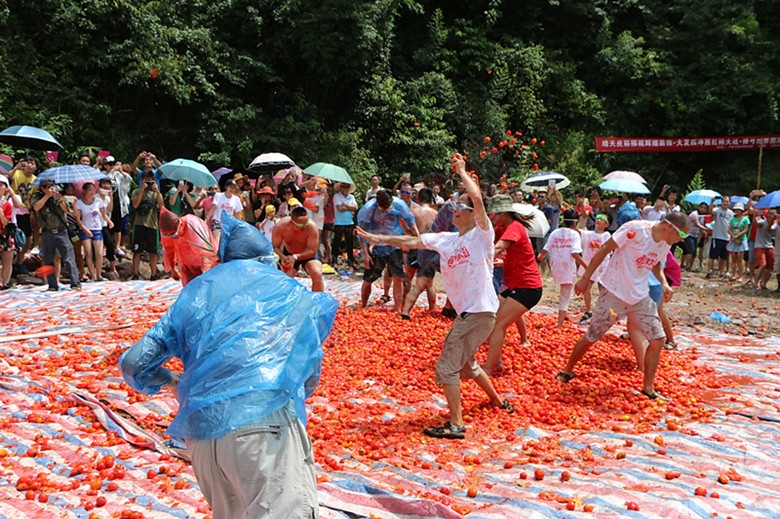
point(508, 407)
point(447, 430)
point(564, 377)
point(654, 395)
point(405, 317)
point(670, 345)
point(384, 299)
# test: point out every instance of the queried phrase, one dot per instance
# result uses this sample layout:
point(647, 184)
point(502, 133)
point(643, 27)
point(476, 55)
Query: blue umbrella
point(542, 179)
point(701, 195)
point(29, 137)
point(70, 173)
point(189, 170)
point(769, 200)
point(739, 200)
point(623, 185)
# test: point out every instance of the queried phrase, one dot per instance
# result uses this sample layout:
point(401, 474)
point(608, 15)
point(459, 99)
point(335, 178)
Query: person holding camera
point(150, 163)
point(49, 208)
point(146, 202)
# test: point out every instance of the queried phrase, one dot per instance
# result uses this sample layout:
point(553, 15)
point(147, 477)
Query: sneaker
point(52, 289)
point(708, 276)
point(76, 289)
point(120, 253)
point(134, 277)
point(585, 318)
point(447, 430)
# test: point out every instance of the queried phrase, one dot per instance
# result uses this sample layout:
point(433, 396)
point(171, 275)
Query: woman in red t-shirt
point(521, 277)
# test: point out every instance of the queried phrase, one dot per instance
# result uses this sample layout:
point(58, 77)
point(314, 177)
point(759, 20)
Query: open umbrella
point(542, 179)
point(623, 185)
point(271, 161)
point(282, 174)
point(769, 200)
point(6, 164)
point(539, 224)
point(221, 171)
point(701, 195)
point(329, 171)
point(739, 200)
point(29, 137)
point(625, 175)
point(189, 170)
point(70, 173)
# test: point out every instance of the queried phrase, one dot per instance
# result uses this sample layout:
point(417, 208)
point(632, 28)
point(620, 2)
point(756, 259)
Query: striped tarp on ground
point(60, 393)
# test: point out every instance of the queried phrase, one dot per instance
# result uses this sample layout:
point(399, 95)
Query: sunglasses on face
point(681, 234)
point(302, 224)
point(405, 192)
point(462, 206)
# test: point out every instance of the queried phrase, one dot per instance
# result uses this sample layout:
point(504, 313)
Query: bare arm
point(472, 188)
point(403, 241)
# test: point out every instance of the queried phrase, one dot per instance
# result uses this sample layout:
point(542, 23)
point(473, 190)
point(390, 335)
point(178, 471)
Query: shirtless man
point(424, 215)
point(295, 241)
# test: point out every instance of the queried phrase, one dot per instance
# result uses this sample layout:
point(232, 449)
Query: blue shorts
point(96, 235)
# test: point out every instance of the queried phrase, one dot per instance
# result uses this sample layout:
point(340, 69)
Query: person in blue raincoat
point(252, 354)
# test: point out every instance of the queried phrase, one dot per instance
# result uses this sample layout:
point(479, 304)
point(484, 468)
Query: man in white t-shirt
point(467, 272)
point(639, 246)
point(227, 202)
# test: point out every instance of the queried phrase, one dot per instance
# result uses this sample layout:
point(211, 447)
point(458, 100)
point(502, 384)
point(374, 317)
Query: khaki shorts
point(262, 470)
point(458, 355)
point(609, 309)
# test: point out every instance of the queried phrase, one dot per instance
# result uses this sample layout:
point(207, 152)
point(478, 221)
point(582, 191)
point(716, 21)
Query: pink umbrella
point(284, 172)
point(625, 175)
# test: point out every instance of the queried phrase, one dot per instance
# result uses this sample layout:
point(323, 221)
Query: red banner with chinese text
point(681, 144)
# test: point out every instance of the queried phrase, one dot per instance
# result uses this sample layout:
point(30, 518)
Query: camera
point(149, 183)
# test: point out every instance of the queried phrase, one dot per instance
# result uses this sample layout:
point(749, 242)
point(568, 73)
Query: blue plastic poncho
point(240, 240)
point(250, 339)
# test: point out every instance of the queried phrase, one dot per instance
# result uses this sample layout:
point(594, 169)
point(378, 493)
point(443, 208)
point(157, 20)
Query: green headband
point(602, 217)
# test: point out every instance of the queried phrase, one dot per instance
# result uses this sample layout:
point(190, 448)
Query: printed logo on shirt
point(460, 257)
point(647, 261)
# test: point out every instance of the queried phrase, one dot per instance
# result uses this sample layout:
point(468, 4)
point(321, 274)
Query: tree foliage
point(393, 86)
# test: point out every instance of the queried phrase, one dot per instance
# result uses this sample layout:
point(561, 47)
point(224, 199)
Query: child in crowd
point(564, 247)
point(591, 242)
point(267, 225)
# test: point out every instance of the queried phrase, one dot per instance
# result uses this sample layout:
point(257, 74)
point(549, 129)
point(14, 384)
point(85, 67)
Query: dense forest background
point(392, 86)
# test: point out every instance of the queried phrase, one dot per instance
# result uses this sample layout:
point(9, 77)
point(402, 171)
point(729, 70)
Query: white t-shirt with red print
point(592, 242)
point(466, 268)
point(562, 243)
point(627, 274)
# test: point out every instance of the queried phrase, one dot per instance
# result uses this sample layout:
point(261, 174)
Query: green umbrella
point(329, 171)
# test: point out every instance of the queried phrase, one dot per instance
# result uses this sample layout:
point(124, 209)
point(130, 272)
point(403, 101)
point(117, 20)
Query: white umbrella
point(542, 179)
point(625, 175)
point(539, 224)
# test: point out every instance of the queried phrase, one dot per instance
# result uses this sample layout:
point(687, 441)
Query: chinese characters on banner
point(660, 144)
